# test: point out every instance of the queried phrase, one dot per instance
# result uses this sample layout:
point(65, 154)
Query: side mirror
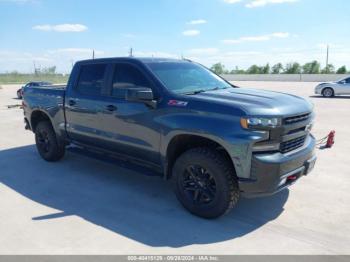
point(140, 94)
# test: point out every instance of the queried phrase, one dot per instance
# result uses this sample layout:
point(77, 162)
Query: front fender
point(224, 130)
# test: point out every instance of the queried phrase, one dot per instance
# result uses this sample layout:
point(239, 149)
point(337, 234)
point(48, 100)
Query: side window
point(91, 79)
point(125, 77)
point(347, 80)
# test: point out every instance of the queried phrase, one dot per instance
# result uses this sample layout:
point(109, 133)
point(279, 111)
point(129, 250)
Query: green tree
point(237, 71)
point(219, 69)
point(265, 69)
point(311, 68)
point(277, 68)
point(254, 69)
point(329, 69)
point(342, 70)
point(292, 68)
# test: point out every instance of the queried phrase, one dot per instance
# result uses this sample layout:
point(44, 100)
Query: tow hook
point(327, 141)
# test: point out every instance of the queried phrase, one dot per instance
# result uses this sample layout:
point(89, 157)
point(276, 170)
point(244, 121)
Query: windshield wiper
point(205, 90)
point(196, 92)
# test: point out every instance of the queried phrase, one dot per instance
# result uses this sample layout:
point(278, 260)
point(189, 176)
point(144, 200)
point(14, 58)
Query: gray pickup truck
point(178, 119)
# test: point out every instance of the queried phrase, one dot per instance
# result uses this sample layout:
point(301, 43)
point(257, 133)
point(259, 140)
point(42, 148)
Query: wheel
point(205, 182)
point(47, 144)
point(328, 92)
point(19, 95)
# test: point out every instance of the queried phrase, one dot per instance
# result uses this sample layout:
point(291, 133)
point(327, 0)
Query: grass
point(17, 78)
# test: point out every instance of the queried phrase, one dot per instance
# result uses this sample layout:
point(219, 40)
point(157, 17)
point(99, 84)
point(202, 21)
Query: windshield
point(187, 78)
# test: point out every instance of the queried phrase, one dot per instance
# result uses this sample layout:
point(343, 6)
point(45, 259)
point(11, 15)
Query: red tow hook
point(292, 178)
point(330, 139)
point(327, 141)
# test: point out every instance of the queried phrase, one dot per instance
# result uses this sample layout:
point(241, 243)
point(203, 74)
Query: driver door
point(130, 126)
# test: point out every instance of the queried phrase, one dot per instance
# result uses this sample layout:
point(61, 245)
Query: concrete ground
point(86, 206)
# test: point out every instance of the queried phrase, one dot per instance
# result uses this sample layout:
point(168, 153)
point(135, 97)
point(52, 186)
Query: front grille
point(292, 144)
point(296, 119)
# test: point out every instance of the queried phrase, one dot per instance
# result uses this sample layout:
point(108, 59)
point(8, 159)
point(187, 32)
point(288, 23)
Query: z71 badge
point(177, 103)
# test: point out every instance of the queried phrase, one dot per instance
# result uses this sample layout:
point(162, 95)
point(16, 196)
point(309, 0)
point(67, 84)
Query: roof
point(138, 59)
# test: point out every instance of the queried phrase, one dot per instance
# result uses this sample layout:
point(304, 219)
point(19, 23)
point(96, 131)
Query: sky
point(234, 32)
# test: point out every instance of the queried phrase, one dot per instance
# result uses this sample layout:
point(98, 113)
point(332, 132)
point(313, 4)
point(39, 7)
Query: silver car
point(330, 89)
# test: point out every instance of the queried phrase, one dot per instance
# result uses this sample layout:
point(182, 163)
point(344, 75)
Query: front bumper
point(271, 173)
point(318, 89)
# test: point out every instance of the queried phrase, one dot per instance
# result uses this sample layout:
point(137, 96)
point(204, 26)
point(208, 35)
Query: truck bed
point(49, 99)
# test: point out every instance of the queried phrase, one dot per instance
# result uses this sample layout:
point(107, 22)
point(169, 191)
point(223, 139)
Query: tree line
point(313, 67)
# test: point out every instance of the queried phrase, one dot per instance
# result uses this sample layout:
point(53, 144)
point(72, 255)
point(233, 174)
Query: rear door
point(85, 105)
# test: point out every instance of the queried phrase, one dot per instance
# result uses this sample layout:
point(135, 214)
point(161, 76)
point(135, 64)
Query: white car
point(330, 89)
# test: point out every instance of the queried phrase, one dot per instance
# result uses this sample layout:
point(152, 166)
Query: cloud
point(280, 35)
point(191, 32)
point(256, 38)
point(261, 3)
point(232, 1)
point(197, 22)
point(61, 28)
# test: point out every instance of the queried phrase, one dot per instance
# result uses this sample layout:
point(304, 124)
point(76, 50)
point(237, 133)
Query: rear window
point(91, 79)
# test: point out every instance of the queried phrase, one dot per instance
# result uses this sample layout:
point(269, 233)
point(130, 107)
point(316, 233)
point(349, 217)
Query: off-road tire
point(47, 143)
point(220, 170)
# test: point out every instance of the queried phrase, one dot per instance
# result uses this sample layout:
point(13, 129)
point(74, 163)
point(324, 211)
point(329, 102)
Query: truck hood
point(258, 102)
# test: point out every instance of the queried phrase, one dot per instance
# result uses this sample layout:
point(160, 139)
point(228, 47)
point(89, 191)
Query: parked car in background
point(31, 84)
point(330, 89)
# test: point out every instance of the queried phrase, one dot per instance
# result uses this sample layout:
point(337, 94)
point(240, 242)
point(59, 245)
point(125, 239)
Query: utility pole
point(130, 52)
point(327, 57)
point(93, 54)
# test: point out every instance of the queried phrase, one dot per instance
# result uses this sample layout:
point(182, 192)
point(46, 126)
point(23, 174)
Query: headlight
point(254, 122)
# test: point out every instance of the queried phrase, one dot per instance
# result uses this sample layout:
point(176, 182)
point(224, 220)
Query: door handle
point(71, 102)
point(111, 108)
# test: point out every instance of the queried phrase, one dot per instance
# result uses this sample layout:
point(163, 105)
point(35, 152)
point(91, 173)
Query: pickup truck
point(178, 119)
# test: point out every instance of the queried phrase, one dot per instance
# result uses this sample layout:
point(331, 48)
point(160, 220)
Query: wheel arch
point(180, 143)
point(329, 87)
point(38, 116)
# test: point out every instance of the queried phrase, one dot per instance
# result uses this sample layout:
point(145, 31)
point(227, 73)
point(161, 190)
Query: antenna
point(130, 52)
point(93, 54)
